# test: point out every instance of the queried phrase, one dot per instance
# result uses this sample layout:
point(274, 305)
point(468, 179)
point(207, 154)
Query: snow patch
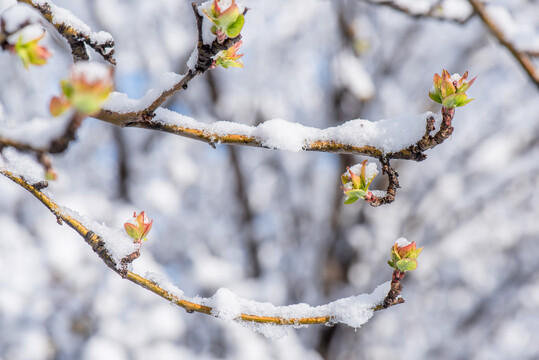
point(121, 103)
point(388, 135)
point(91, 71)
point(117, 242)
point(401, 242)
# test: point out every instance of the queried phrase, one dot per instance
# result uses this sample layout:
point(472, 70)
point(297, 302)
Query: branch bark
point(431, 13)
point(76, 39)
point(98, 247)
point(522, 57)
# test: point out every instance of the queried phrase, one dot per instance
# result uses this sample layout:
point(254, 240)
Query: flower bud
point(450, 91)
point(227, 22)
point(357, 186)
point(138, 227)
point(86, 90)
point(229, 58)
point(403, 255)
point(25, 45)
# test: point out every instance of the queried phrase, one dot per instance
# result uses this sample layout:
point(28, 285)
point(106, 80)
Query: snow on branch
point(117, 250)
point(75, 31)
point(522, 42)
point(500, 23)
point(454, 10)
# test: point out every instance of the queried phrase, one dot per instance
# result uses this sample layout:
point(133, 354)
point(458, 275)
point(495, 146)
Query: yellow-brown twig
point(96, 242)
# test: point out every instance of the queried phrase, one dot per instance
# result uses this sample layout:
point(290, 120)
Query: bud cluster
point(403, 255)
point(357, 186)
point(450, 91)
point(86, 89)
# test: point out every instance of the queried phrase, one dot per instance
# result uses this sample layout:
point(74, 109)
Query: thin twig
point(433, 12)
point(205, 55)
point(522, 57)
point(97, 245)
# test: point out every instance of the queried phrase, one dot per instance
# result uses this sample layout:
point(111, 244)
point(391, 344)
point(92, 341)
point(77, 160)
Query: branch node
point(40, 185)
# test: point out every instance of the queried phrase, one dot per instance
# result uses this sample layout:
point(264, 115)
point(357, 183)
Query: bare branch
point(435, 12)
point(98, 247)
point(522, 57)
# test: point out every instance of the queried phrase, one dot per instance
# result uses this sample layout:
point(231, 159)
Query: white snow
point(455, 77)
point(414, 6)
point(353, 311)
point(121, 103)
point(117, 242)
point(38, 132)
point(456, 9)
point(164, 284)
point(91, 71)
point(225, 305)
point(379, 193)
point(388, 135)
point(402, 242)
point(16, 15)
point(371, 170)
point(283, 135)
point(524, 36)
point(193, 58)
point(102, 37)
point(350, 73)
point(207, 36)
point(20, 164)
point(66, 17)
point(27, 34)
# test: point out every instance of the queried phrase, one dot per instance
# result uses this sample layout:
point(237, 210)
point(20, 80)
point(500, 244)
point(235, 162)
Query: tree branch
point(435, 11)
point(204, 61)
point(57, 145)
point(77, 37)
point(98, 247)
point(522, 57)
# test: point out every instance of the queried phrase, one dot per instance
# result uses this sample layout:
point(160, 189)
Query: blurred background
point(270, 225)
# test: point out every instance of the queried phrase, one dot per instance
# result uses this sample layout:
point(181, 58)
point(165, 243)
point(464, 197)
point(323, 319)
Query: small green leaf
point(447, 87)
point(356, 193)
point(229, 16)
point(466, 85)
point(414, 253)
point(407, 264)
point(210, 16)
point(132, 230)
point(463, 103)
point(437, 81)
point(435, 96)
point(451, 101)
point(350, 200)
point(86, 103)
point(234, 29)
point(67, 88)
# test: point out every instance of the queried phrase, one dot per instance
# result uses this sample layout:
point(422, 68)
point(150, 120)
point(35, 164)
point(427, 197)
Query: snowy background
point(270, 225)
